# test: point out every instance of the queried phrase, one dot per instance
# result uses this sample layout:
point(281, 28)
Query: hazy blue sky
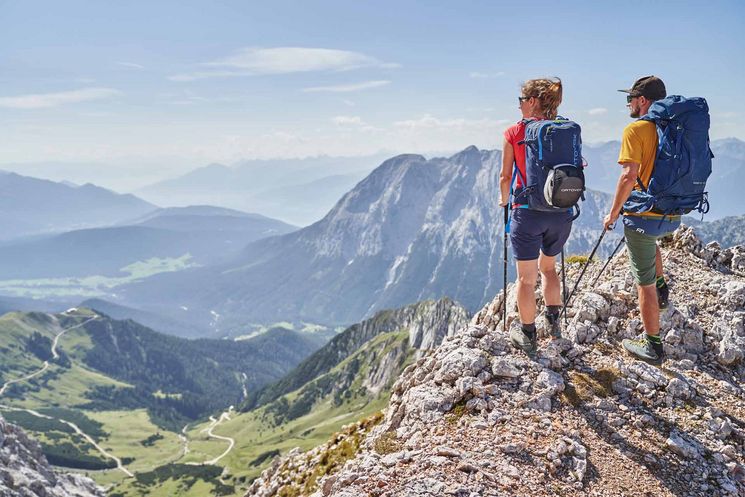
point(184, 83)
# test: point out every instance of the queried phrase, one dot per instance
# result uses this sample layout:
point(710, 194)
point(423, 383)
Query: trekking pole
point(564, 285)
point(589, 260)
point(608, 261)
point(504, 284)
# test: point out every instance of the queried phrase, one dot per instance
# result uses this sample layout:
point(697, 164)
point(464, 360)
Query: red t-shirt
point(514, 135)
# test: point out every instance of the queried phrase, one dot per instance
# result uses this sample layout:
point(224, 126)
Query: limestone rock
point(25, 472)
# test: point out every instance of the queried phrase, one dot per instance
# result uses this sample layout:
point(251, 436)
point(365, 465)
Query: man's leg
point(661, 289)
point(649, 309)
point(642, 251)
point(658, 262)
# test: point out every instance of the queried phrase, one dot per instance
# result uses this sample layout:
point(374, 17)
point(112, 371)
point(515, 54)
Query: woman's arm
point(505, 176)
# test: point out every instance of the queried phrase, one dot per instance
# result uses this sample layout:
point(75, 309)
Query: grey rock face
point(680, 389)
point(680, 446)
point(506, 368)
point(551, 382)
point(460, 363)
point(731, 348)
point(24, 471)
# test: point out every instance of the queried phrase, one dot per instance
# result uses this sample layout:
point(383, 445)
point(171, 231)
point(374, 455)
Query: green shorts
point(642, 250)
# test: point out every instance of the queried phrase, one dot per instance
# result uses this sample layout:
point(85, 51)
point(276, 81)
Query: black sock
point(529, 329)
point(656, 343)
point(661, 282)
point(552, 312)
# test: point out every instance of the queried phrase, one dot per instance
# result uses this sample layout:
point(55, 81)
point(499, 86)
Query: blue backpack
point(553, 165)
point(683, 162)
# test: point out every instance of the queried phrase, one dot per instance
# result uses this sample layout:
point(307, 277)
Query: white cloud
point(207, 74)
point(131, 65)
point(348, 88)
point(348, 120)
point(44, 100)
point(284, 60)
point(597, 111)
point(430, 122)
point(482, 75)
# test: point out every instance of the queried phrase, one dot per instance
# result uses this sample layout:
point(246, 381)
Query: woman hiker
point(537, 237)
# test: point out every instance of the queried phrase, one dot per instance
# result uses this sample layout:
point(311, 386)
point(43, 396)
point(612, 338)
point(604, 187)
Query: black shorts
point(532, 232)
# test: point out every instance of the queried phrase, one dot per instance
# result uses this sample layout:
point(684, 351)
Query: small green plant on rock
point(459, 410)
point(577, 259)
point(387, 443)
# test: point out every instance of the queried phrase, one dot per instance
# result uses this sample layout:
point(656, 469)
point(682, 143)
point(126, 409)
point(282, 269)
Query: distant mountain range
point(206, 234)
point(728, 231)
point(151, 320)
point(414, 229)
point(728, 174)
point(30, 206)
point(299, 191)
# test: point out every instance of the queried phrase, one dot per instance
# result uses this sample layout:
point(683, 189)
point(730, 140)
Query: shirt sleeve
point(631, 146)
point(509, 134)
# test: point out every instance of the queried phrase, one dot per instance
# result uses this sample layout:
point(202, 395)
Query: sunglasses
point(523, 99)
point(629, 98)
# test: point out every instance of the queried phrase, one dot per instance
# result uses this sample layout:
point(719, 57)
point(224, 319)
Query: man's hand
point(610, 220)
point(503, 202)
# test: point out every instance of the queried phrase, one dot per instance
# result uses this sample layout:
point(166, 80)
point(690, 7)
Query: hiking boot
point(523, 340)
point(553, 325)
point(643, 349)
point(663, 296)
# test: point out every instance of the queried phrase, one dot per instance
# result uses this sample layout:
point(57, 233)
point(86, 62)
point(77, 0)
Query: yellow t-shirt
point(639, 145)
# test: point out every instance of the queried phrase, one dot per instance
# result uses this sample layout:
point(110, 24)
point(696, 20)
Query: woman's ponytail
point(547, 91)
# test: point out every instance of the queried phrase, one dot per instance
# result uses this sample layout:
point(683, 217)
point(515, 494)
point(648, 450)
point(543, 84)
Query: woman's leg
point(550, 280)
point(527, 275)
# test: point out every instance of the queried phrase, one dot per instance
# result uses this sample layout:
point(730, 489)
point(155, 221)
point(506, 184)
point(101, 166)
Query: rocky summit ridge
point(477, 418)
point(25, 472)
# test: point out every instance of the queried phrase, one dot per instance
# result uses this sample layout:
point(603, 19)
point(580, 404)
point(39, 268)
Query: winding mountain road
point(75, 427)
point(214, 423)
point(44, 368)
point(80, 432)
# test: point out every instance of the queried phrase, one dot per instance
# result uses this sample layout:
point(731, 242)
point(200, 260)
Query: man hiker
point(641, 230)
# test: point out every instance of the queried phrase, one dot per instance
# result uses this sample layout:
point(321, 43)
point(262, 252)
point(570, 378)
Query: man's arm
point(623, 189)
point(505, 176)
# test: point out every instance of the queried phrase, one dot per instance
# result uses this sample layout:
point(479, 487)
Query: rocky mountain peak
point(468, 154)
point(477, 418)
point(414, 229)
point(25, 472)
